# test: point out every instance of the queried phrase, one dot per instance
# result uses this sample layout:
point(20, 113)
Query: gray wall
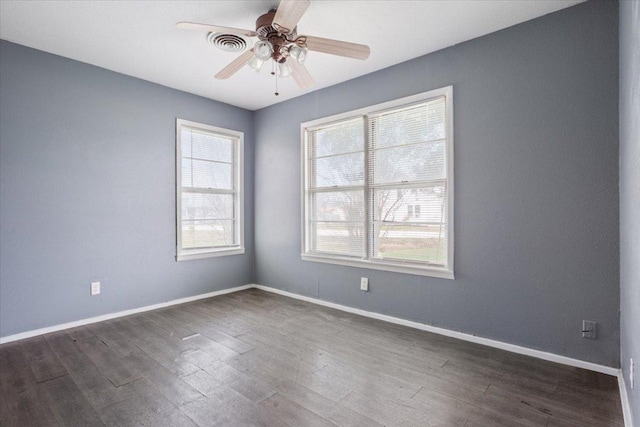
point(536, 197)
point(87, 192)
point(630, 197)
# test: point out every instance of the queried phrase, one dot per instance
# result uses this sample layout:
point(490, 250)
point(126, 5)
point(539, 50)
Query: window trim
point(183, 255)
point(377, 264)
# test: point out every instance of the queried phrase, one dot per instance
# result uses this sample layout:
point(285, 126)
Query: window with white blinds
point(208, 191)
point(378, 186)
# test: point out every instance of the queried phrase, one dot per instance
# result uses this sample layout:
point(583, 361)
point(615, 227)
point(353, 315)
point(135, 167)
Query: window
point(209, 162)
point(413, 211)
point(378, 186)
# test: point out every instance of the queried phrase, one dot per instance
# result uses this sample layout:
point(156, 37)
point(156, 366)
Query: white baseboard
point(49, 329)
point(454, 334)
point(624, 400)
point(391, 319)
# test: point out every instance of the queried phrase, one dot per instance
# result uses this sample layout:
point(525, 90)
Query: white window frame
point(408, 267)
point(237, 249)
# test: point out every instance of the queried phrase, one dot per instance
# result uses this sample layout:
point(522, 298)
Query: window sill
point(440, 273)
point(209, 254)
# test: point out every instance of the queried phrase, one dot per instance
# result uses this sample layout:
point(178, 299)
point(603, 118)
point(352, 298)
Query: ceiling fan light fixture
point(284, 69)
point(299, 53)
point(263, 50)
point(277, 31)
point(255, 64)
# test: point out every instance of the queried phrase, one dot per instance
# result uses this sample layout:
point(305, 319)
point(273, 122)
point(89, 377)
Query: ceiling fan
point(278, 39)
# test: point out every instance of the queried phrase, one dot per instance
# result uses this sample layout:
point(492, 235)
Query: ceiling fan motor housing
point(264, 25)
point(280, 41)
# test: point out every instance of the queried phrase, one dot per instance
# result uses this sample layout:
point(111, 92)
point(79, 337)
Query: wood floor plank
point(256, 358)
point(596, 406)
point(599, 391)
point(365, 379)
point(23, 398)
point(232, 325)
point(112, 365)
point(292, 413)
point(251, 387)
point(265, 340)
point(112, 338)
point(335, 412)
point(392, 412)
point(189, 324)
point(206, 414)
point(160, 347)
point(71, 406)
point(203, 360)
point(571, 411)
point(213, 348)
point(206, 383)
point(148, 407)
point(92, 383)
point(44, 363)
point(478, 407)
point(265, 372)
point(80, 333)
point(169, 384)
point(226, 403)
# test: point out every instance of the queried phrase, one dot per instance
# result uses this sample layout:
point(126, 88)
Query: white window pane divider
point(207, 190)
point(336, 188)
point(207, 160)
point(410, 184)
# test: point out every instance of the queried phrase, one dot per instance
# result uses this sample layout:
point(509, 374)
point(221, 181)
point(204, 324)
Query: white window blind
point(378, 186)
point(209, 208)
point(407, 161)
point(336, 190)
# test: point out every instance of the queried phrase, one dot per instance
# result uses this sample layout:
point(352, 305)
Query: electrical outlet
point(364, 284)
point(95, 288)
point(589, 329)
point(632, 373)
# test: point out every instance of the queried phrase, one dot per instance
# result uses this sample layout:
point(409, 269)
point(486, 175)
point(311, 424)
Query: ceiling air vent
point(227, 42)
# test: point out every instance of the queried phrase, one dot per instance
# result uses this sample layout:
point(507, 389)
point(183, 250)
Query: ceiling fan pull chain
point(277, 85)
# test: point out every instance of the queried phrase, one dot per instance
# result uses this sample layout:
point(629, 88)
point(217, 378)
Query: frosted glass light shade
point(263, 50)
point(284, 69)
point(300, 54)
point(255, 64)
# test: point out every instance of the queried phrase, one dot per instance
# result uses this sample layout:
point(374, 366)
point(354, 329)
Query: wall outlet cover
point(95, 288)
point(589, 329)
point(364, 284)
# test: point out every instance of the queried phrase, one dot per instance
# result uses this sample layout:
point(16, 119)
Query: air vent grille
point(227, 42)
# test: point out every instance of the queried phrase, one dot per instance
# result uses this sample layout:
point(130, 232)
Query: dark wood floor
point(254, 358)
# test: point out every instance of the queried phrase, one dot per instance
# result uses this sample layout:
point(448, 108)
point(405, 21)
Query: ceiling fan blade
point(289, 13)
point(215, 29)
point(235, 65)
point(337, 47)
point(301, 75)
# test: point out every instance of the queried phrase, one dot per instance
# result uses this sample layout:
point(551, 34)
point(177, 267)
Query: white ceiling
point(138, 38)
